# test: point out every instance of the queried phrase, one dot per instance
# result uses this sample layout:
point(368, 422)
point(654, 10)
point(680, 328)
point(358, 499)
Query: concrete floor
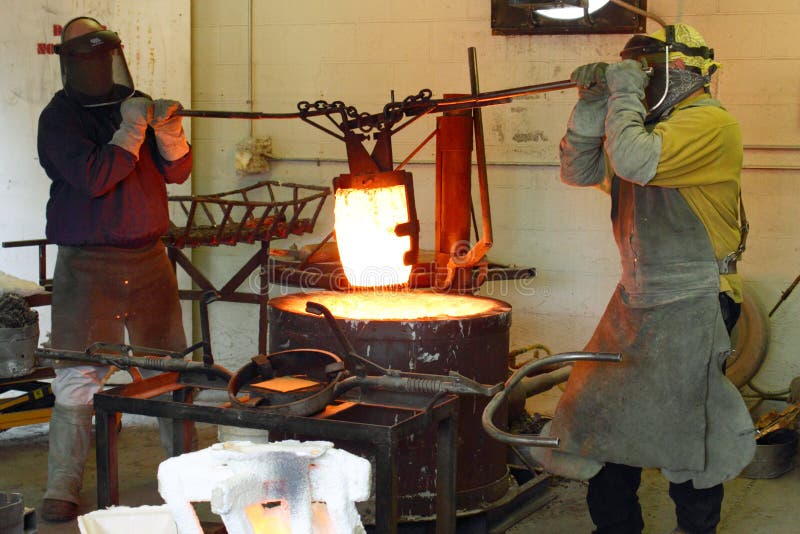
point(751, 506)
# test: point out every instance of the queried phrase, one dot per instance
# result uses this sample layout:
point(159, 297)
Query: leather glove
point(588, 117)
point(627, 76)
point(135, 114)
point(633, 151)
point(170, 137)
point(591, 81)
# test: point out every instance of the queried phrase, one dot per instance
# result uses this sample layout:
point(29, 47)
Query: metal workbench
point(378, 426)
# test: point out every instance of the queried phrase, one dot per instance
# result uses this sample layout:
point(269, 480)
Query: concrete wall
point(157, 47)
point(268, 55)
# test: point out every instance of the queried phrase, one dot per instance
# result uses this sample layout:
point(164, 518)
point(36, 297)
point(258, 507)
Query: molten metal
point(365, 222)
point(394, 305)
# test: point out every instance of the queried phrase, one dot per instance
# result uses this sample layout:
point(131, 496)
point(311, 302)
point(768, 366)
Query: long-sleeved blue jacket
point(100, 193)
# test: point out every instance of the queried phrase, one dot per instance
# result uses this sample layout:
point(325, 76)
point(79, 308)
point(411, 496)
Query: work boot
point(57, 511)
point(69, 435)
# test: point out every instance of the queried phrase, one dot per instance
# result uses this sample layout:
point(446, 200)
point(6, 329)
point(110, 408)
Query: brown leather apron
point(99, 292)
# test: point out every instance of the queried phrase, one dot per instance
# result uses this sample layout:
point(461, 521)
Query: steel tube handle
point(358, 363)
point(531, 440)
point(488, 98)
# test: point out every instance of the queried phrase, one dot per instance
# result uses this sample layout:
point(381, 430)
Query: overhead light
point(561, 11)
point(511, 17)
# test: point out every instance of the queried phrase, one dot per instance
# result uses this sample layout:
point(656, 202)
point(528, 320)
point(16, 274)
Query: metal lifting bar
point(410, 108)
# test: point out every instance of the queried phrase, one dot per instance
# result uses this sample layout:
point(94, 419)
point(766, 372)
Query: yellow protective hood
point(686, 35)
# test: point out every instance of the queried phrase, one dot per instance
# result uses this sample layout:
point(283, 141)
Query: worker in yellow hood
point(647, 132)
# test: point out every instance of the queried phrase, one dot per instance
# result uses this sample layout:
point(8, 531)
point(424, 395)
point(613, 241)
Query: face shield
point(669, 84)
point(93, 69)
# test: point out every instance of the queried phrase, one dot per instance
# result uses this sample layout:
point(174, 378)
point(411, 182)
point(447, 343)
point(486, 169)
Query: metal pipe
point(480, 152)
point(414, 108)
point(241, 114)
point(642, 12)
point(160, 363)
point(784, 295)
point(530, 386)
point(530, 440)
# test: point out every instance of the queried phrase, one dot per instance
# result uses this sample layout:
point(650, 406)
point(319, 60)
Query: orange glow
point(274, 520)
point(365, 220)
point(277, 519)
point(401, 305)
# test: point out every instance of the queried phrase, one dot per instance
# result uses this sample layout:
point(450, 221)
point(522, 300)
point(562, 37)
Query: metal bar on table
point(24, 243)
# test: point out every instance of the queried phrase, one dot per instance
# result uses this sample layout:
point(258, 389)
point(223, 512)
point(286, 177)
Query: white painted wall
point(358, 51)
point(157, 47)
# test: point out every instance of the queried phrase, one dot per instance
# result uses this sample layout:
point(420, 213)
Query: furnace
point(422, 332)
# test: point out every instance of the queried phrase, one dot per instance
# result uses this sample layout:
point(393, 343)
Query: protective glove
point(170, 137)
point(634, 151)
point(591, 81)
point(589, 115)
point(627, 76)
point(135, 112)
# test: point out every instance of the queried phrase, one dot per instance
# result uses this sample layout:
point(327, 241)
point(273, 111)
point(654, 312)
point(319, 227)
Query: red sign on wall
point(47, 48)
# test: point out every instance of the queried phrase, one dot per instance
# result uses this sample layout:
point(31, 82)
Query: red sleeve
point(90, 168)
point(178, 171)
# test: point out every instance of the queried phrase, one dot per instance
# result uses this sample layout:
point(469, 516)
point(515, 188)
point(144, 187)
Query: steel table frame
point(139, 398)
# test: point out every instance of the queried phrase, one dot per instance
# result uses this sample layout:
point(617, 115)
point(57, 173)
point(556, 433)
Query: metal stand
point(228, 292)
point(379, 427)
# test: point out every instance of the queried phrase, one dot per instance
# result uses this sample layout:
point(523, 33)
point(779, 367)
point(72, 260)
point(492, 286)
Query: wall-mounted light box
point(525, 17)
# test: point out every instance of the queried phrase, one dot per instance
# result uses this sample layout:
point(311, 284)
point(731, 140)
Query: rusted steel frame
point(480, 153)
point(241, 275)
point(194, 273)
point(416, 150)
point(226, 216)
point(318, 209)
point(454, 141)
point(208, 212)
point(317, 248)
point(279, 217)
point(228, 292)
point(248, 213)
point(189, 222)
point(226, 206)
point(41, 245)
point(298, 208)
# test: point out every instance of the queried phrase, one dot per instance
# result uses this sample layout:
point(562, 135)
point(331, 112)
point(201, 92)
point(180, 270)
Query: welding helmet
point(93, 68)
point(668, 83)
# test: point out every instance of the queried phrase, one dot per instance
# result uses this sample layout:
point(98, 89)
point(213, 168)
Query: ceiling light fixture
point(511, 17)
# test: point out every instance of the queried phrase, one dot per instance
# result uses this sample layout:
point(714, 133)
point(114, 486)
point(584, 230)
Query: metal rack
point(378, 427)
point(257, 213)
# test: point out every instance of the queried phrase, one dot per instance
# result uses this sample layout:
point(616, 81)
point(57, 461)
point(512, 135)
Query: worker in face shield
point(110, 152)
point(647, 132)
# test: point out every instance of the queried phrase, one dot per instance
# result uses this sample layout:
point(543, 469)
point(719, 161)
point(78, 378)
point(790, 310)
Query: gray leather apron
point(668, 403)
